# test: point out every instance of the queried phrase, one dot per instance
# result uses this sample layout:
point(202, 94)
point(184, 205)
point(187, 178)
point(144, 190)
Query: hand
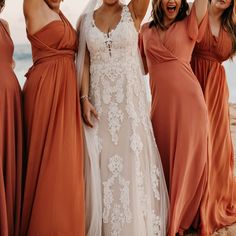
point(88, 110)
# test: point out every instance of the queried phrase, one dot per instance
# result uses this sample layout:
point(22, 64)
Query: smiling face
point(54, 4)
point(221, 4)
point(170, 9)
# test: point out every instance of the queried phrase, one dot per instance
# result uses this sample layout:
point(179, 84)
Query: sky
point(13, 13)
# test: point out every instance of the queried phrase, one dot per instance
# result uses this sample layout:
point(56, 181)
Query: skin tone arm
point(38, 13)
point(201, 8)
point(87, 108)
point(138, 9)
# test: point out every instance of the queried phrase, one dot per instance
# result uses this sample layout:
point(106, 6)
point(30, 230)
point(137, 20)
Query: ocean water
point(23, 61)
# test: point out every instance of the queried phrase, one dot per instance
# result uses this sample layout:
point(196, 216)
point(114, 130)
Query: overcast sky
point(13, 13)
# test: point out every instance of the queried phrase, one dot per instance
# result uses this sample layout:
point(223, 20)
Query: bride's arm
point(87, 108)
point(138, 9)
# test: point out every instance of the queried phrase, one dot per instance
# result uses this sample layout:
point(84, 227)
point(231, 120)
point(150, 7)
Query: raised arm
point(138, 10)
point(32, 6)
point(201, 9)
point(39, 13)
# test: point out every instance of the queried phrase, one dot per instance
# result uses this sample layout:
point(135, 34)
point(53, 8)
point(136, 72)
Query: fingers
point(87, 119)
point(89, 112)
point(95, 113)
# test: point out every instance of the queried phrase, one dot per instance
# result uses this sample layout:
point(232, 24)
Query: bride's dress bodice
point(113, 49)
point(117, 88)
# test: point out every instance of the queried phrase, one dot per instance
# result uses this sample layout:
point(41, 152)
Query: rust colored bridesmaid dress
point(54, 190)
point(179, 116)
point(218, 208)
point(10, 139)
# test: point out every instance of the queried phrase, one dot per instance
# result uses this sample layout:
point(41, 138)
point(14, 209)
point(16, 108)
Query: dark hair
point(2, 4)
point(158, 14)
point(228, 20)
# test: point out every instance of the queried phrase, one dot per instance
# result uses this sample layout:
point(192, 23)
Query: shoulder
point(6, 25)
point(82, 20)
point(144, 28)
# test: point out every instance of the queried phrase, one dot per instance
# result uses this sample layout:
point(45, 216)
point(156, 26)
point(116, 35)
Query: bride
point(126, 193)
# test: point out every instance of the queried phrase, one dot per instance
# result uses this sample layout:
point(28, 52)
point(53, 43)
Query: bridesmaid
point(10, 136)
point(179, 114)
point(53, 201)
point(218, 207)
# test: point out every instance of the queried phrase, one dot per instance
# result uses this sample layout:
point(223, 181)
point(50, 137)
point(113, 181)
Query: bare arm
point(85, 80)
point(38, 14)
point(32, 6)
point(201, 9)
point(87, 108)
point(138, 9)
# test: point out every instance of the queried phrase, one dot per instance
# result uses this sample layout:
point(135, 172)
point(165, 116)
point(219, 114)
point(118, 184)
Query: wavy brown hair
point(228, 21)
point(2, 4)
point(158, 14)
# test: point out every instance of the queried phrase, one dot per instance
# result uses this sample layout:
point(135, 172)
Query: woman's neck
point(215, 13)
point(111, 8)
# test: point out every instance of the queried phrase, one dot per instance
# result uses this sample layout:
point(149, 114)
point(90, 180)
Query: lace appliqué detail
point(156, 224)
point(119, 214)
point(115, 118)
point(155, 176)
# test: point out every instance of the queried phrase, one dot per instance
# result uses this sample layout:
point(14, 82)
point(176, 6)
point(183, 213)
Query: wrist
point(84, 98)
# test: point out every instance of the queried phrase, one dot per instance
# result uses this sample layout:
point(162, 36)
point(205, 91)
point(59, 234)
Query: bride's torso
point(113, 49)
point(117, 87)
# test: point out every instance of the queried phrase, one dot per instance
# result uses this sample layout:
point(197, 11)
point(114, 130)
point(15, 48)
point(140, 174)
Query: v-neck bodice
point(178, 42)
point(214, 48)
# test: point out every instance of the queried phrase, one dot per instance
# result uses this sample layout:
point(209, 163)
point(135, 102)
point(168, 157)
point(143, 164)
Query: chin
point(110, 2)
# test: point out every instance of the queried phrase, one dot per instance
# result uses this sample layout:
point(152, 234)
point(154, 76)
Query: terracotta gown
point(179, 116)
point(54, 190)
point(218, 208)
point(10, 139)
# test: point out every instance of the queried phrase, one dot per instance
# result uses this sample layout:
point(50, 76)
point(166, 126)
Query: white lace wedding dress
point(125, 188)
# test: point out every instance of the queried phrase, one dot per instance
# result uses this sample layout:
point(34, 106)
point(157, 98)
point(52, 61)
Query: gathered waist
point(54, 56)
point(51, 57)
point(207, 56)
